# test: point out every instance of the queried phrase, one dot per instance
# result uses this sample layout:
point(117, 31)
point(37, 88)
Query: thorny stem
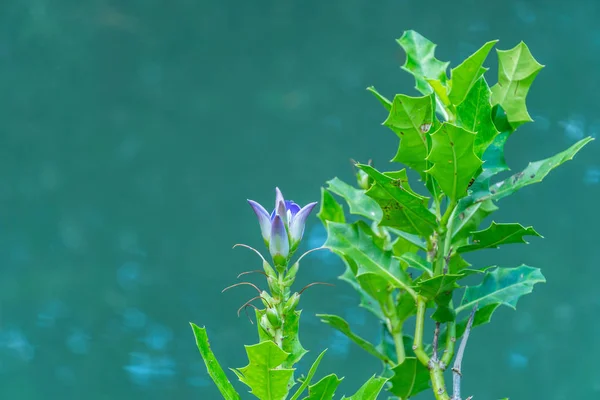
point(456, 370)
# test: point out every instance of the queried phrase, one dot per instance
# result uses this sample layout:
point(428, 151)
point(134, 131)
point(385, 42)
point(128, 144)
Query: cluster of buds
point(282, 231)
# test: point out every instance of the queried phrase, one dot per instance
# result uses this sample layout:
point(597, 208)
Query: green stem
point(419, 326)
point(445, 236)
point(437, 383)
point(450, 342)
point(399, 343)
point(394, 326)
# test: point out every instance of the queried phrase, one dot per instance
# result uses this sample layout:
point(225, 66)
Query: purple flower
point(282, 230)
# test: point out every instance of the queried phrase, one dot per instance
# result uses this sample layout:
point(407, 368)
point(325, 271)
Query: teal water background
point(132, 133)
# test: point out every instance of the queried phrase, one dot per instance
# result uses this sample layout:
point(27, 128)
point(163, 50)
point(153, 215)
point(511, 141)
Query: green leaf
point(262, 375)
point(291, 339)
point(498, 234)
point(467, 221)
point(475, 115)
point(356, 241)
point(433, 287)
point(464, 76)
point(418, 263)
point(370, 390)
point(421, 61)
point(212, 365)
point(401, 246)
point(405, 306)
point(535, 172)
point(413, 240)
point(482, 316)
point(330, 210)
point(366, 301)
point(358, 202)
point(341, 325)
point(410, 378)
point(324, 389)
point(516, 71)
point(454, 159)
point(402, 208)
point(411, 119)
point(386, 103)
point(503, 286)
point(309, 376)
point(375, 285)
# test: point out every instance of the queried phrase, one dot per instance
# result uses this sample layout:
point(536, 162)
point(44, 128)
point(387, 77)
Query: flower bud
point(273, 318)
point(292, 302)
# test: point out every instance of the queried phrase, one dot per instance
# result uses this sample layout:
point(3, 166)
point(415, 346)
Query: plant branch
point(456, 370)
point(436, 337)
point(420, 322)
point(394, 326)
point(450, 343)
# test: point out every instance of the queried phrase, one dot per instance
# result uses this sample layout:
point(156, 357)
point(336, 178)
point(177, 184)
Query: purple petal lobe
point(292, 207)
point(279, 245)
point(298, 222)
point(282, 212)
point(263, 219)
point(278, 197)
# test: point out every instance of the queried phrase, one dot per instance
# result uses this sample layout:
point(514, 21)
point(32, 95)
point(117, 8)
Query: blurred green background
point(132, 133)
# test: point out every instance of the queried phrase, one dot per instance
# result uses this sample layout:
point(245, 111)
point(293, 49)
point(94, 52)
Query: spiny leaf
point(418, 263)
point(358, 202)
point(356, 241)
point(503, 286)
point(516, 71)
point(370, 390)
point(433, 287)
point(454, 160)
point(212, 365)
point(475, 115)
point(291, 338)
point(330, 210)
point(366, 300)
point(262, 375)
point(324, 389)
point(341, 325)
point(535, 172)
point(498, 234)
point(467, 221)
point(401, 207)
point(386, 103)
point(401, 246)
point(482, 316)
point(410, 378)
point(375, 285)
point(464, 76)
point(410, 238)
point(309, 376)
point(411, 118)
point(421, 61)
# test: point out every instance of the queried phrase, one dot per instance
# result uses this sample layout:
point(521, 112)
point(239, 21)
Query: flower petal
point(278, 197)
point(292, 208)
point(279, 245)
point(263, 219)
point(282, 212)
point(298, 222)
